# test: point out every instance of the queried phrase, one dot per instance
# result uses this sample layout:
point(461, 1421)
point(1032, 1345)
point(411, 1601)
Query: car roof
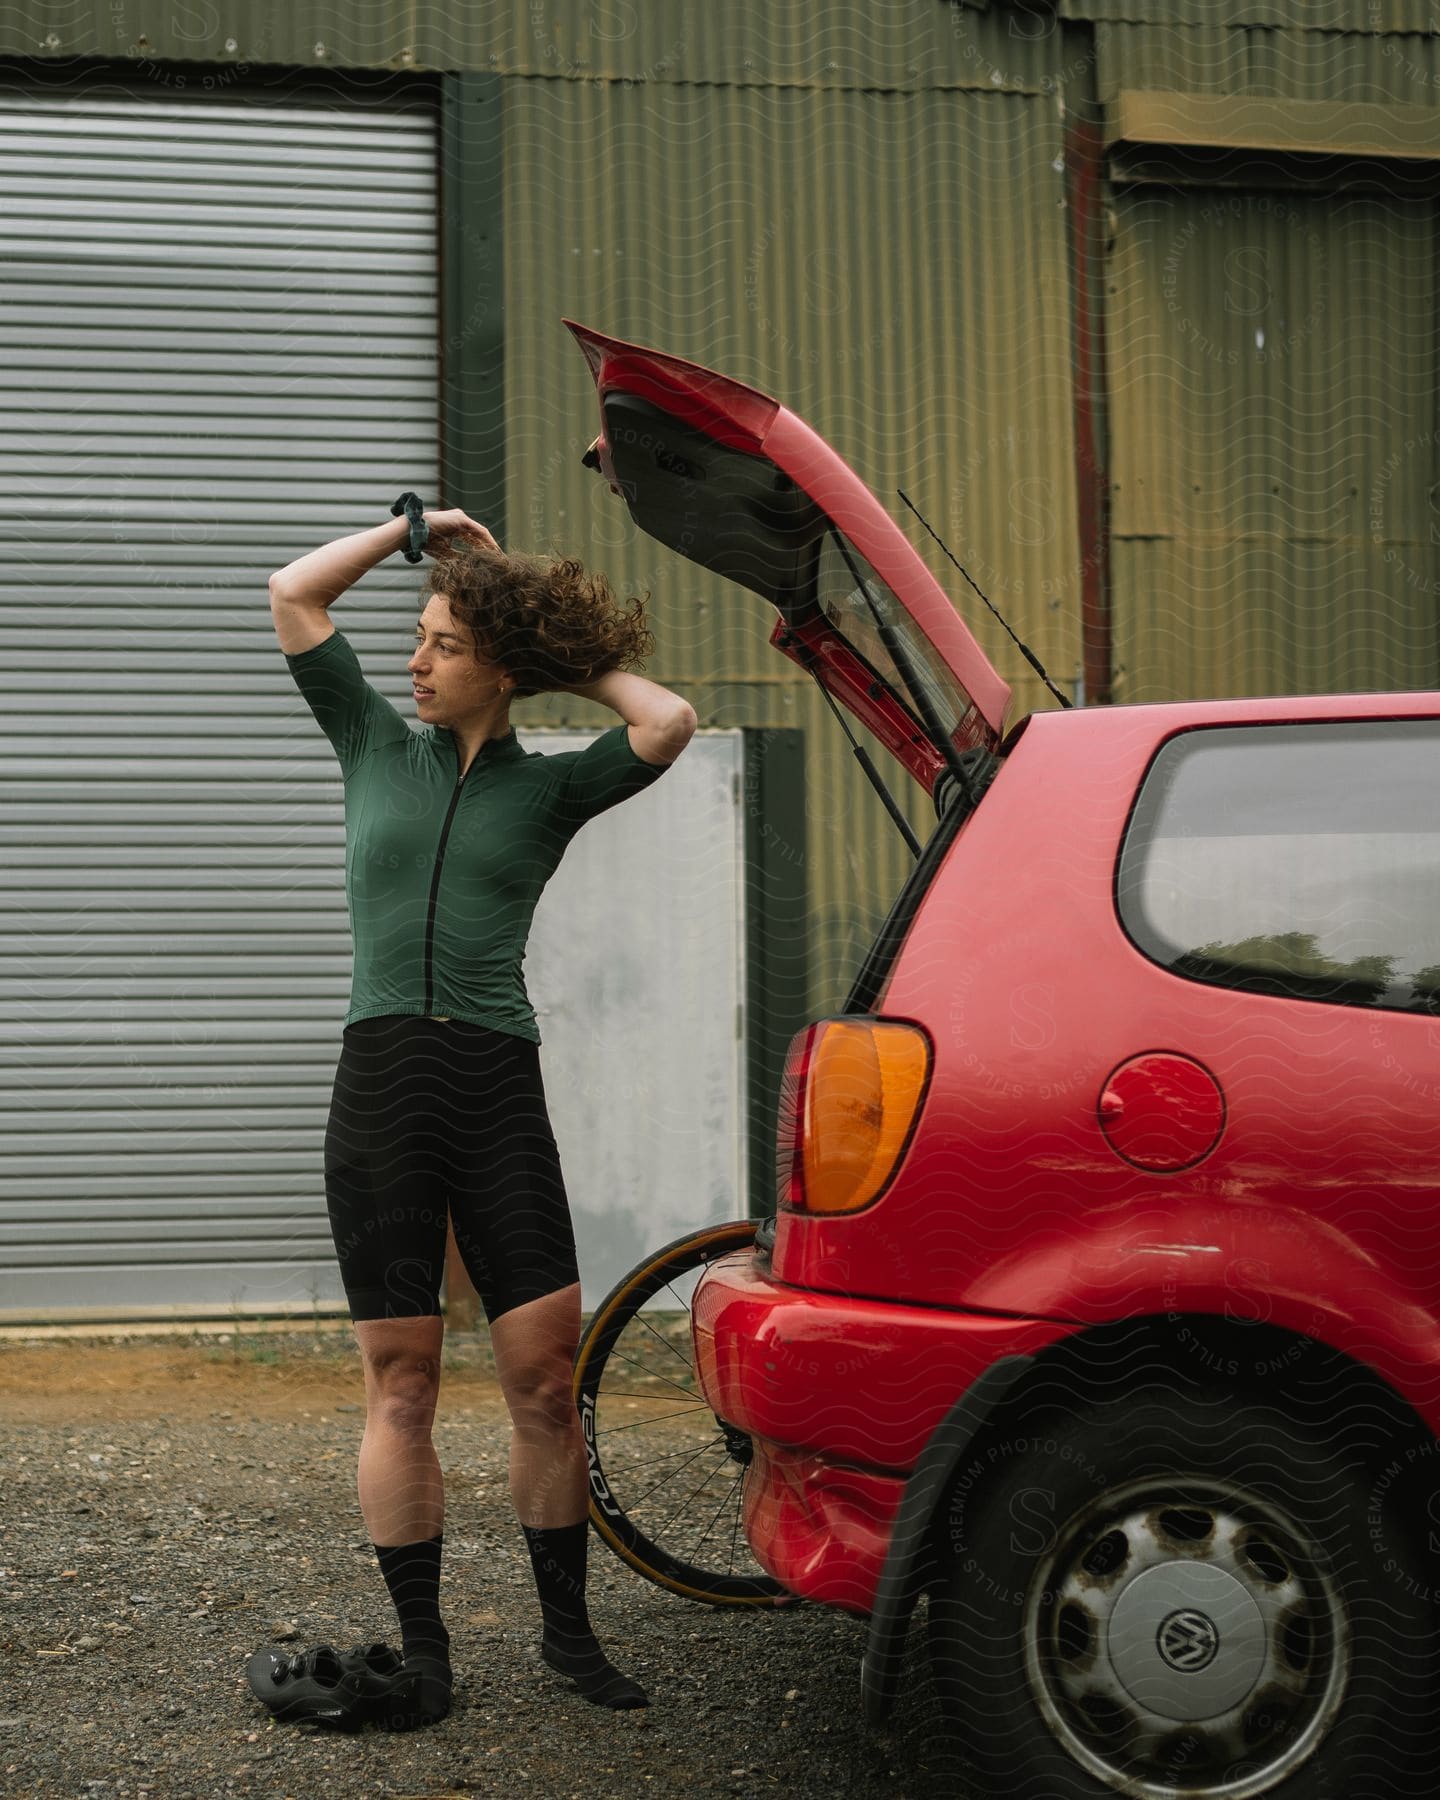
point(1161, 718)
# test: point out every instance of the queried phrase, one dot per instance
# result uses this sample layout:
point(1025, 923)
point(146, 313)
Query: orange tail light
point(850, 1097)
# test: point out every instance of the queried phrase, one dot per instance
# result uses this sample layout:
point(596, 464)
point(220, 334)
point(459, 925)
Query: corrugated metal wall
point(1272, 375)
point(1273, 394)
point(858, 208)
point(904, 43)
point(220, 349)
point(891, 267)
point(1218, 59)
point(864, 210)
point(1354, 16)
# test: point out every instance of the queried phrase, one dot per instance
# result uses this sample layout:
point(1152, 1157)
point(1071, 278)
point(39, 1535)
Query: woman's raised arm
point(324, 574)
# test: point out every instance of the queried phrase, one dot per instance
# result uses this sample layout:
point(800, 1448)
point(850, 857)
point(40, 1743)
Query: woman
point(438, 1106)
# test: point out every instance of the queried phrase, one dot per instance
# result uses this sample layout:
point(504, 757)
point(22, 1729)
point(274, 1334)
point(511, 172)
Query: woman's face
point(450, 681)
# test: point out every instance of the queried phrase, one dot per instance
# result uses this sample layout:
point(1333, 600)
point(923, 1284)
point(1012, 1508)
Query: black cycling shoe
point(370, 1667)
point(307, 1686)
point(415, 1694)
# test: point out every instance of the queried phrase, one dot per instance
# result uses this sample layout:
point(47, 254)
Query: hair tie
point(414, 510)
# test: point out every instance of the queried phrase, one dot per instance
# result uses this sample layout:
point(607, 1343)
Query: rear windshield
point(742, 517)
point(858, 604)
point(1296, 860)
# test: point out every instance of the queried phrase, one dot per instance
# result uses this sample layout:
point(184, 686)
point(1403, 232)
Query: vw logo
point(1188, 1641)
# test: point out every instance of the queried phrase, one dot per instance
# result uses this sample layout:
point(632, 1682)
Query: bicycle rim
point(666, 1488)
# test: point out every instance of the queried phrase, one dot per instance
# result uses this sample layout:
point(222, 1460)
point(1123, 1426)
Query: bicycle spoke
point(650, 1462)
point(660, 1399)
point(684, 1304)
point(639, 1424)
point(686, 1501)
point(650, 1490)
point(640, 1319)
point(654, 1462)
point(718, 1510)
point(689, 1393)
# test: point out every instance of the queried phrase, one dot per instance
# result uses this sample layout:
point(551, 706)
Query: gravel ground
point(172, 1503)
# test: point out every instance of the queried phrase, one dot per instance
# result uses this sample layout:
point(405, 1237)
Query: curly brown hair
point(549, 621)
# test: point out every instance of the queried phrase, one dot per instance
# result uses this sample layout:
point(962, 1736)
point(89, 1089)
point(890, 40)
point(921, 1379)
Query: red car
point(1101, 1305)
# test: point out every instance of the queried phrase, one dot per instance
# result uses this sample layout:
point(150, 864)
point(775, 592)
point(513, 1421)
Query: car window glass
point(855, 600)
point(1295, 860)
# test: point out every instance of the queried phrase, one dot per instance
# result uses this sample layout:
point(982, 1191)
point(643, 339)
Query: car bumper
point(839, 1396)
point(821, 1529)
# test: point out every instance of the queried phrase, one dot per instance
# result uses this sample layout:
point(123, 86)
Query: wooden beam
point(1228, 122)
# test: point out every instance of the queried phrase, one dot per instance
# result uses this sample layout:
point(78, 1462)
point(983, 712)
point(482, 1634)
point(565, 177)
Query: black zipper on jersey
point(434, 891)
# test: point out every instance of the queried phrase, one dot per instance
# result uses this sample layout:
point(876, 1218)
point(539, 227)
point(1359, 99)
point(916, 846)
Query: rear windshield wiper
point(923, 704)
point(862, 756)
point(955, 762)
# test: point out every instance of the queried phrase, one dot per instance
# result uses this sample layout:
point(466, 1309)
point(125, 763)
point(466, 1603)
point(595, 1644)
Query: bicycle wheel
point(667, 1477)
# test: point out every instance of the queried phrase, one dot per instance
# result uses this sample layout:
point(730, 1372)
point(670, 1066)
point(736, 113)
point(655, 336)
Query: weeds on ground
point(251, 1340)
point(331, 1343)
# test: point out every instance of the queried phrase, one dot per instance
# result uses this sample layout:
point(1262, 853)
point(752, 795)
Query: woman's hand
point(453, 527)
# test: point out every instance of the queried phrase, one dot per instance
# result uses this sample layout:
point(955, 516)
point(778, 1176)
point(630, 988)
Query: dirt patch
point(171, 1504)
point(269, 1375)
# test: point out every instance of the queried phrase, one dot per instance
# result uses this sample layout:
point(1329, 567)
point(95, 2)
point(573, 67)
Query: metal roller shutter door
point(219, 331)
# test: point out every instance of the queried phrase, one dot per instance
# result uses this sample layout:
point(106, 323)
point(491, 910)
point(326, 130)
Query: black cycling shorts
point(429, 1119)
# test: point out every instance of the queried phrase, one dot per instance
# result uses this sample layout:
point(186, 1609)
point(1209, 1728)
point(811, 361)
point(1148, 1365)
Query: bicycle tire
point(667, 1568)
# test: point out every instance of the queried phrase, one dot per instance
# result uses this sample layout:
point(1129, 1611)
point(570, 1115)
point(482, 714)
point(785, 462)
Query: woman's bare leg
point(534, 1347)
point(402, 1491)
point(534, 1352)
point(402, 1496)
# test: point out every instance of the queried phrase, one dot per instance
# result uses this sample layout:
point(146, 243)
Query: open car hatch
point(728, 477)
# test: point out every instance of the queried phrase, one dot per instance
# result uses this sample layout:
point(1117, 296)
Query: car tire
point(1069, 1677)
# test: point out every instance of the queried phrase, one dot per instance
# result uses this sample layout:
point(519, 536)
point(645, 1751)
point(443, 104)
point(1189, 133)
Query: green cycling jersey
point(443, 871)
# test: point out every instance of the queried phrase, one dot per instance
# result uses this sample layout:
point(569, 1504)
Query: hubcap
point(1183, 1637)
point(1187, 1640)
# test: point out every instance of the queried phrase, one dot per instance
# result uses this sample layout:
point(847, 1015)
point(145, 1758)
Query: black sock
point(568, 1645)
point(412, 1574)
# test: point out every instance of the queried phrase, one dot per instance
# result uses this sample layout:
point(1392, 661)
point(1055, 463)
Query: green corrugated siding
point(862, 210)
point(889, 266)
point(904, 43)
point(1278, 64)
point(1272, 363)
point(1269, 615)
point(1271, 498)
point(1353, 16)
